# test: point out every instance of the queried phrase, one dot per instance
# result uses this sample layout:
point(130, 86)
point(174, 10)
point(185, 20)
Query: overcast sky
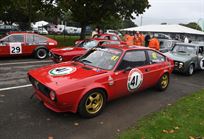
point(172, 12)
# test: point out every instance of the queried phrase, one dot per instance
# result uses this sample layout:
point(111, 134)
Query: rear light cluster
point(43, 89)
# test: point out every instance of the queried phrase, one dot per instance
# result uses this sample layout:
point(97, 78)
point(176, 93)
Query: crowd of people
point(134, 38)
point(139, 39)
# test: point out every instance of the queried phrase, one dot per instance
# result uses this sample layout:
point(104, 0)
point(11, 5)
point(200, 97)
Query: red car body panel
point(69, 53)
point(25, 47)
point(71, 88)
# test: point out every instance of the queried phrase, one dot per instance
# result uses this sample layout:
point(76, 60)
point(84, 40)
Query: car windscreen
point(101, 57)
point(184, 49)
point(165, 44)
point(88, 44)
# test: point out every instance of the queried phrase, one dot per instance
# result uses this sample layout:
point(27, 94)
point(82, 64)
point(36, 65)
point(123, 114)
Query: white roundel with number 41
point(15, 48)
point(135, 79)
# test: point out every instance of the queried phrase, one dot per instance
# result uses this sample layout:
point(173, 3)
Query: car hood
point(179, 56)
point(66, 50)
point(63, 74)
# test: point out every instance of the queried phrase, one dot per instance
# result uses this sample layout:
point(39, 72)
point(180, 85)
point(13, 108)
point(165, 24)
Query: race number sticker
point(202, 63)
point(15, 48)
point(62, 71)
point(135, 79)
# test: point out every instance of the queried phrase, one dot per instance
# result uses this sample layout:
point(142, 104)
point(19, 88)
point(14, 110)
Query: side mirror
point(127, 69)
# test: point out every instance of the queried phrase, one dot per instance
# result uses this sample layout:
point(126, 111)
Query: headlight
point(52, 95)
point(60, 58)
point(181, 65)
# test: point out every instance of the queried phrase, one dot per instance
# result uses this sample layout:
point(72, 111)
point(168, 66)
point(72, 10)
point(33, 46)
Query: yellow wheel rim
point(94, 103)
point(165, 81)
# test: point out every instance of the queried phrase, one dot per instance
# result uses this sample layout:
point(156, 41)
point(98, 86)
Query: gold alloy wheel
point(164, 81)
point(94, 103)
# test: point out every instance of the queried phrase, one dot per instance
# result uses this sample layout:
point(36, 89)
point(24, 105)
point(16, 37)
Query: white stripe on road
point(15, 87)
point(31, 62)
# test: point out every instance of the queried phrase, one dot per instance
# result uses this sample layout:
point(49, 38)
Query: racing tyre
point(190, 70)
point(41, 53)
point(163, 82)
point(92, 104)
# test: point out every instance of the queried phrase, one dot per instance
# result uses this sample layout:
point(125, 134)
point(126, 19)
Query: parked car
point(81, 47)
point(24, 43)
point(112, 37)
point(104, 73)
point(110, 31)
point(187, 57)
point(166, 44)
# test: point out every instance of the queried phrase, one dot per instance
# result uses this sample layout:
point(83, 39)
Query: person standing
point(95, 32)
point(186, 40)
point(147, 39)
point(154, 43)
point(137, 39)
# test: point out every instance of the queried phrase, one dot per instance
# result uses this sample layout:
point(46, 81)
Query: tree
point(98, 11)
point(192, 25)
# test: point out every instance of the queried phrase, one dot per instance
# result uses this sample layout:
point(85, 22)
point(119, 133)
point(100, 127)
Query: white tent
point(41, 23)
point(165, 29)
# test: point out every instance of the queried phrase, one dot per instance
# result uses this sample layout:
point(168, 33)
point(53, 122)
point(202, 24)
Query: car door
point(13, 44)
point(156, 66)
point(132, 73)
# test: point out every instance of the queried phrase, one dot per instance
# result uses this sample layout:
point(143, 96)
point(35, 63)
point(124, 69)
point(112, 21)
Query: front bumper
point(42, 94)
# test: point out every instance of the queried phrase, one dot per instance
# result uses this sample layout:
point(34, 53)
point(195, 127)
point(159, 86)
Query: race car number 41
point(135, 79)
point(15, 48)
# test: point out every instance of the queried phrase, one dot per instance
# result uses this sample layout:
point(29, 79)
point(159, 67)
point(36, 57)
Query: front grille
point(39, 86)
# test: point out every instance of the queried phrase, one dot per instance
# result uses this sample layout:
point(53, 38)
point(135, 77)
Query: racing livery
point(104, 73)
point(80, 48)
point(24, 43)
point(187, 57)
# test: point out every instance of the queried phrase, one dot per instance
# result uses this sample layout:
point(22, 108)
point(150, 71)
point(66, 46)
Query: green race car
point(187, 57)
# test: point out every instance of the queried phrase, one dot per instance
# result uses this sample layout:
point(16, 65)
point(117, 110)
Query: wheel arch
point(40, 47)
point(89, 90)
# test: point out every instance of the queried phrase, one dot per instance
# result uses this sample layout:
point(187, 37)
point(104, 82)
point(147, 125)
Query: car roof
point(126, 47)
point(22, 33)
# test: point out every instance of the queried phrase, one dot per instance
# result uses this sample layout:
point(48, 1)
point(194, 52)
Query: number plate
point(15, 48)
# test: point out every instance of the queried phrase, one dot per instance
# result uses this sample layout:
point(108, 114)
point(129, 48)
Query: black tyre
point(190, 70)
point(41, 53)
point(163, 82)
point(92, 104)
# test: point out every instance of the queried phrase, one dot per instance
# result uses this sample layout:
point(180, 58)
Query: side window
point(133, 59)
point(14, 38)
point(30, 38)
point(155, 57)
point(114, 38)
point(39, 39)
point(201, 50)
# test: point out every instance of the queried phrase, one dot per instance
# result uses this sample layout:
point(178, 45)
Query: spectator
point(95, 32)
point(154, 43)
point(186, 39)
point(147, 39)
point(137, 39)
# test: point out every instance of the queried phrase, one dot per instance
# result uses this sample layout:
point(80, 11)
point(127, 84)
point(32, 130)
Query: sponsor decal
point(62, 71)
point(15, 48)
point(202, 63)
point(135, 79)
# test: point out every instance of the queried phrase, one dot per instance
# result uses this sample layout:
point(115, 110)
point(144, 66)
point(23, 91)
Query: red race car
point(24, 43)
point(70, 53)
point(102, 74)
point(112, 37)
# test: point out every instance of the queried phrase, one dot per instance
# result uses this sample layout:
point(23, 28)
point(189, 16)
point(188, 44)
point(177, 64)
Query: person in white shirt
point(186, 39)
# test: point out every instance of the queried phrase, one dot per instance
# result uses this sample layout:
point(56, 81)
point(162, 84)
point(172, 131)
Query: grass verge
point(183, 120)
point(64, 40)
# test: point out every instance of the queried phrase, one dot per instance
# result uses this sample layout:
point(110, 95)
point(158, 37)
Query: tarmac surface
point(25, 118)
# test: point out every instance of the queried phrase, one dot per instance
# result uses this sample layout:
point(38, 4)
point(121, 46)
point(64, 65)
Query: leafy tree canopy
point(192, 25)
